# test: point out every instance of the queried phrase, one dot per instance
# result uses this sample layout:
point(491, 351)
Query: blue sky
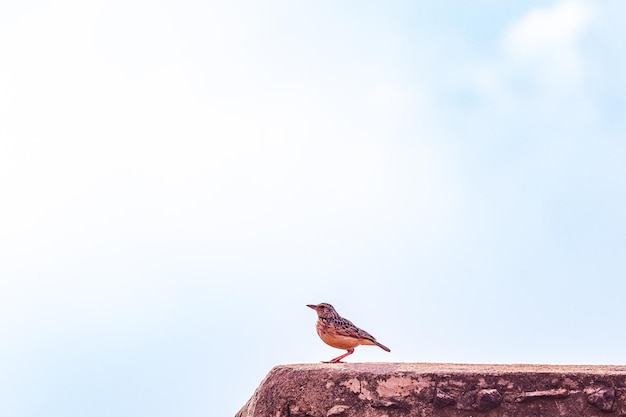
point(179, 179)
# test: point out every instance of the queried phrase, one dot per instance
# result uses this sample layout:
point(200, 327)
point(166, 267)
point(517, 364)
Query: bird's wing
point(345, 327)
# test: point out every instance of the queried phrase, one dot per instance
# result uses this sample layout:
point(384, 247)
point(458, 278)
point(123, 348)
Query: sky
point(180, 178)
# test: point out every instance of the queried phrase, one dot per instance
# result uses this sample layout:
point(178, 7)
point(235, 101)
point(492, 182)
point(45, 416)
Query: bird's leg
point(339, 358)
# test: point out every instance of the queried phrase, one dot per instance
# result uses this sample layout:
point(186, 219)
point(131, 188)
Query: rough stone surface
point(337, 410)
point(443, 399)
point(487, 399)
point(447, 390)
point(602, 398)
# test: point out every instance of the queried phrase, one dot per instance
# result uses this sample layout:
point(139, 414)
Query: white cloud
point(549, 28)
point(540, 64)
point(545, 41)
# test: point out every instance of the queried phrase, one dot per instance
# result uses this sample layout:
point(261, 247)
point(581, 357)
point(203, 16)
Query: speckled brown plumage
point(340, 333)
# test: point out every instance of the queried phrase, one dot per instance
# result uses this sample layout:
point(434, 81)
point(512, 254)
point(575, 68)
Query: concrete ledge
point(448, 390)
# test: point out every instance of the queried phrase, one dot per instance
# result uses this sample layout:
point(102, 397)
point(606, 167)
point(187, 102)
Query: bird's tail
point(380, 345)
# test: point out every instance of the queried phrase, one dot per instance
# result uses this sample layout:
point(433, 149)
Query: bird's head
point(324, 310)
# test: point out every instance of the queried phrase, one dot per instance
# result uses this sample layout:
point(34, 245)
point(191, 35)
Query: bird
point(340, 333)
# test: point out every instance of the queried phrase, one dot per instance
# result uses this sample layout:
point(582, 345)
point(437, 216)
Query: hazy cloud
point(545, 40)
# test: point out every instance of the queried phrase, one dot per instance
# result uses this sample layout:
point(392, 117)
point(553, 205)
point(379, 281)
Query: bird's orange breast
point(332, 338)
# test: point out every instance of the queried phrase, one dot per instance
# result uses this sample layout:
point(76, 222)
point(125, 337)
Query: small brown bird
point(340, 333)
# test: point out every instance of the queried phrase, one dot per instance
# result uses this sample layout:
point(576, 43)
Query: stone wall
point(447, 390)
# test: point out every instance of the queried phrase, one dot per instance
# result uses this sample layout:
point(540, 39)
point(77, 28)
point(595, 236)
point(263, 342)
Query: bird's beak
point(313, 306)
